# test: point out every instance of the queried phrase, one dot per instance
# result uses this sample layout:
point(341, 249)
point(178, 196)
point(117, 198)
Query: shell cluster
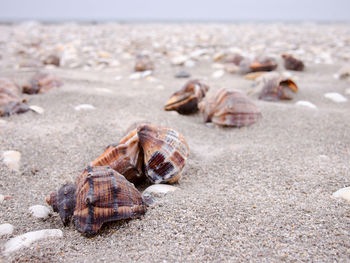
point(185, 101)
point(157, 153)
point(230, 108)
point(10, 100)
point(99, 195)
point(105, 191)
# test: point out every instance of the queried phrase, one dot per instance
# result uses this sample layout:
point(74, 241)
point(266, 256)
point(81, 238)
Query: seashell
point(185, 101)
point(39, 211)
point(157, 190)
point(274, 88)
point(343, 72)
point(36, 109)
point(165, 153)
point(10, 101)
point(6, 229)
point(261, 64)
point(308, 104)
point(343, 193)
point(52, 60)
point(99, 195)
point(230, 108)
point(41, 82)
point(234, 59)
point(125, 157)
point(27, 239)
point(292, 63)
point(143, 63)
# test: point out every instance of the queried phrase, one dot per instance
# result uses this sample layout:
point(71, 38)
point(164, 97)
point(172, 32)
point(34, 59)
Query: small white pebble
point(180, 60)
point(39, 211)
point(6, 229)
point(335, 97)
point(343, 193)
point(189, 63)
point(287, 74)
point(218, 66)
point(218, 74)
point(336, 76)
point(36, 109)
point(84, 107)
point(347, 91)
point(27, 239)
point(12, 159)
point(118, 77)
point(304, 103)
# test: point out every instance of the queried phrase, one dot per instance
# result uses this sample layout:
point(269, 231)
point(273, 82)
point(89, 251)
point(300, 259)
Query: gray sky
point(178, 10)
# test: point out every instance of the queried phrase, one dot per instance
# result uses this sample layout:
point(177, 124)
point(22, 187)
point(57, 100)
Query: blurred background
point(180, 10)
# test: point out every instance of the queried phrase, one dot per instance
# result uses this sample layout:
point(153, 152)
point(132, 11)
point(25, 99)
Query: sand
point(261, 193)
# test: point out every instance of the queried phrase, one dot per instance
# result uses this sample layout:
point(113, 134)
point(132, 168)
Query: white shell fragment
point(27, 239)
point(218, 74)
point(6, 229)
point(347, 91)
point(180, 60)
point(159, 189)
point(307, 104)
point(36, 109)
point(12, 159)
point(84, 107)
point(39, 211)
point(335, 97)
point(343, 193)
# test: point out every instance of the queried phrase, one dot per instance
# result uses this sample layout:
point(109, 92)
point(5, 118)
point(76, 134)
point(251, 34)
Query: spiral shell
point(275, 88)
point(165, 153)
point(99, 195)
point(230, 108)
point(42, 82)
point(10, 101)
point(185, 101)
point(292, 63)
point(126, 157)
point(143, 63)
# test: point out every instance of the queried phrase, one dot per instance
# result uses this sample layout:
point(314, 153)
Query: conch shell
point(185, 101)
point(230, 108)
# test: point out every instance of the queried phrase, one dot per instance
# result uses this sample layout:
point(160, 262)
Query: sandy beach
point(261, 193)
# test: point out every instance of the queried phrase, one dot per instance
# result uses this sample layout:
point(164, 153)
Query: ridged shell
point(185, 101)
point(143, 62)
point(292, 63)
point(42, 82)
point(230, 108)
point(10, 101)
point(260, 64)
point(126, 157)
point(275, 89)
point(165, 153)
point(104, 195)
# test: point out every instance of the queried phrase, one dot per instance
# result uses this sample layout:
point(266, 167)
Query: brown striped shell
point(126, 157)
point(42, 82)
point(185, 101)
point(10, 101)
point(259, 64)
point(292, 63)
point(277, 88)
point(165, 153)
point(143, 63)
point(99, 195)
point(230, 108)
